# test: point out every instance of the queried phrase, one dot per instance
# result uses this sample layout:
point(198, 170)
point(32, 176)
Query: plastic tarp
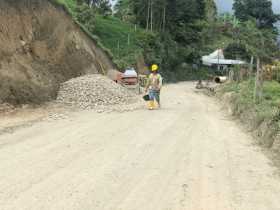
point(218, 58)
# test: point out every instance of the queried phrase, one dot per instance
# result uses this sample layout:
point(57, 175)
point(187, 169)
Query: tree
point(261, 10)
point(124, 11)
point(88, 2)
point(245, 39)
point(104, 7)
point(177, 25)
point(210, 10)
point(261, 43)
point(150, 14)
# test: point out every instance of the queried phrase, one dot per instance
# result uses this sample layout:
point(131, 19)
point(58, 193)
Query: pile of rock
point(6, 108)
point(97, 92)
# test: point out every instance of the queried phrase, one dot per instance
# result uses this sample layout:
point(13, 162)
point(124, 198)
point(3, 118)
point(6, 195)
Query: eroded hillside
point(40, 47)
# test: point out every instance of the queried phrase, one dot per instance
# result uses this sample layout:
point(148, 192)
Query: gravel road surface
point(187, 156)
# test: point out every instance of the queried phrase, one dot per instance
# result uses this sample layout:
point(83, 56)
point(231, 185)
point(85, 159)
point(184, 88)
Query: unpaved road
point(189, 155)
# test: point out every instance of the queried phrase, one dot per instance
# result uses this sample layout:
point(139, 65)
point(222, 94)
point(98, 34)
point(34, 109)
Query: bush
point(86, 16)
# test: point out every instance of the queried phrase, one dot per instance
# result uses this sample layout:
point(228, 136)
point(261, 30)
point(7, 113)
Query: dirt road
point(189, 155)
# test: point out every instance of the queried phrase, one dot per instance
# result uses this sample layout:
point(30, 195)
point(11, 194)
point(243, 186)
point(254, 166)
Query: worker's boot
point(156, 105)
point(151, 105)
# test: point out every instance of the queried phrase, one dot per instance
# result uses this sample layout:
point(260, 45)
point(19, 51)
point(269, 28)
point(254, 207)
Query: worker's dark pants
point(154, 95)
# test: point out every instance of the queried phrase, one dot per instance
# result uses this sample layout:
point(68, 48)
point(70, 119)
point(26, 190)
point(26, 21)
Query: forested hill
point(226, 6)
point(176, 33)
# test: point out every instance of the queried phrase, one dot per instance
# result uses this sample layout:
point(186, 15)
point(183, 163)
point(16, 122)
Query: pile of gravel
point(97, 92)
point(6, 108)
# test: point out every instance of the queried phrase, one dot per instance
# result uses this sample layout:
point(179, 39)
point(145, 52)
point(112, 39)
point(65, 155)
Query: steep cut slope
point(40, 47)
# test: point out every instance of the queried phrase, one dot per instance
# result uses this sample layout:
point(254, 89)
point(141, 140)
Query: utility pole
point(259, 83)
point(219, 60)
point(128, 39)
point(118, 48)
point(251, 66)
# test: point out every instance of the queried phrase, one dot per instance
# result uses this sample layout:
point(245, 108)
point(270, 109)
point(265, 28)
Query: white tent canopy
point(218, 58)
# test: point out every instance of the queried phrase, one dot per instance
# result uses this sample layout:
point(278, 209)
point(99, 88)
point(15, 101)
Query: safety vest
point(155, 81)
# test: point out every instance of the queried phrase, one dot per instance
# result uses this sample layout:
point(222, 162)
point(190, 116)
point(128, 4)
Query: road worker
point(153, 87)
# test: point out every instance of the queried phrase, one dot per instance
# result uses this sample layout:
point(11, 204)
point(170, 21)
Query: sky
point(113, 2)
point(226, 5)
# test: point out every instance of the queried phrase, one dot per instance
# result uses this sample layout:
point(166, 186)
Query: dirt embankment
point(40, 47)
point(265, 130)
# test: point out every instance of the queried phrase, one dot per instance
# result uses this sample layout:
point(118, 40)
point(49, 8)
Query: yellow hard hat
point(154, 67)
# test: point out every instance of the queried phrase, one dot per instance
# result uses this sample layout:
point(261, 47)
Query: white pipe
point(220, 79)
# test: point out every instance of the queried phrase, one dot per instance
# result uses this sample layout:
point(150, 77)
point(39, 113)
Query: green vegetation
point(245, 89)
point(178, 28)
point(123, 41)
point(69, 4)
point(175, 33)
point(260, 10)
point(125, 37)
point(126, 41)
point(241, 40)
point(188, 29)
point(255, 115)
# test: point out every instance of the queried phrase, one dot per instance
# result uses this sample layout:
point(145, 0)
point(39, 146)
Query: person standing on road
point(154, 85)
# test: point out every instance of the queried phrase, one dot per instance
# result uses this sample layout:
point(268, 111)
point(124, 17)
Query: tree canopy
point(176, 33)
point(261, 10)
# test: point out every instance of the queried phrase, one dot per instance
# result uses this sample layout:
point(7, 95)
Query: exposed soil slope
point(40, 47)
